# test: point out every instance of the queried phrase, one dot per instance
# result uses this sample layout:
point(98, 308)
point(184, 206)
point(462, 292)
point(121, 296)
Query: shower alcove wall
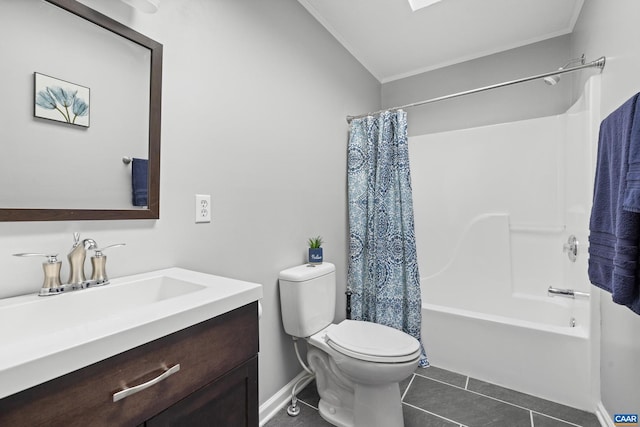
point(493, 207)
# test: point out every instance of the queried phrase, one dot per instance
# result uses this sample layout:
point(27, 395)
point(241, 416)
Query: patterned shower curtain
point(383, 268)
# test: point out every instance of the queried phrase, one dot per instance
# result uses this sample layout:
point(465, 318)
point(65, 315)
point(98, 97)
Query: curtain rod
point(598, 63)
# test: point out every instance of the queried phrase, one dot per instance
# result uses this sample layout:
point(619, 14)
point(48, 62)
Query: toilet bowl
point(358, 365)
point(358, 368)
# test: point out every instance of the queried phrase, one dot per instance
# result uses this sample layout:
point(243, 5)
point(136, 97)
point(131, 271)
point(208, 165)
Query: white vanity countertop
point(42, 338)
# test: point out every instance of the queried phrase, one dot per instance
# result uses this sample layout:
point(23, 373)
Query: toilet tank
point(307, 298)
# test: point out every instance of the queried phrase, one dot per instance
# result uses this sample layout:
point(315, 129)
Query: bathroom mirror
point(57, 168)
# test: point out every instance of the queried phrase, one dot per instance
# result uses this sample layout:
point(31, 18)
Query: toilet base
point(379, 406)
point(338, 416)
point(345, 403)
point(373, 407)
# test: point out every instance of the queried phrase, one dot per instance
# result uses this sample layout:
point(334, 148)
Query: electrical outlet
point(203, 208)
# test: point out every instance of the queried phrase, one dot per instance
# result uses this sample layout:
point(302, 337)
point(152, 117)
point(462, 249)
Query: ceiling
point(392, 41)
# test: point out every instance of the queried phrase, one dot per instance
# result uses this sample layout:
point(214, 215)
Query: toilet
point(358, 365)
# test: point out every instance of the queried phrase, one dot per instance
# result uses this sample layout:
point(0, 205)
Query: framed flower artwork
point(61, 101)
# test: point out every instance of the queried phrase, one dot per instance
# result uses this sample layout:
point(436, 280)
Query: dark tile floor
point(434, 397)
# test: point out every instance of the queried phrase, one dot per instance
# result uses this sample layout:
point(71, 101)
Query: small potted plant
point(315, 250)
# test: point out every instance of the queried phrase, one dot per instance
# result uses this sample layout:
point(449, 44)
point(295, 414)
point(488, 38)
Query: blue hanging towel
point(139, 181)
point(614, 239)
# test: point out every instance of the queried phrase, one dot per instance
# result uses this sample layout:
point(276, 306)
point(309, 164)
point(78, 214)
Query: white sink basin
point(43, 315)
point(45, 337)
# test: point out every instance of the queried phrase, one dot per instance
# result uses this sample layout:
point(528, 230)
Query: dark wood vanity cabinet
point(216, 385)
point(224, 402)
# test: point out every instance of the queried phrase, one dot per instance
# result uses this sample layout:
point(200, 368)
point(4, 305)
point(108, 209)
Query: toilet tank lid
point(304, 272)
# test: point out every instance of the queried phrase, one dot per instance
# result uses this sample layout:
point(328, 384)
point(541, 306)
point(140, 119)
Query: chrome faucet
point(569, 293)
point(76, 258)
point(77, 278)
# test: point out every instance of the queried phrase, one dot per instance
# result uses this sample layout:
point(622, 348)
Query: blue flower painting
point(61, 101)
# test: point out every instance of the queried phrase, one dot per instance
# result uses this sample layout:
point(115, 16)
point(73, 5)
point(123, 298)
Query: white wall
point(533, 99)
point(255, 96)
point(610, 28)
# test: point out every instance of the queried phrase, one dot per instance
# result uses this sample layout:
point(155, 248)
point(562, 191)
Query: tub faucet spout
point(569, 293)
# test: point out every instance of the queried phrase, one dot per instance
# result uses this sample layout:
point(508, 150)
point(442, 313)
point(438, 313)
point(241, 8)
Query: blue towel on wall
point(614, 238)
point(140, 181)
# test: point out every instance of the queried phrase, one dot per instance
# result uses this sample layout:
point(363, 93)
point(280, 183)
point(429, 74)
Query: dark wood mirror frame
point(153, 210)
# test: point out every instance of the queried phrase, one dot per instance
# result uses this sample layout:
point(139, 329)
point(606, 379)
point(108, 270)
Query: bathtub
point(476, 323)
point(493, 208)
point(549, 361)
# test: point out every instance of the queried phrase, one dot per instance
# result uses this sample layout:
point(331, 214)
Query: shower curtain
point(383, 272)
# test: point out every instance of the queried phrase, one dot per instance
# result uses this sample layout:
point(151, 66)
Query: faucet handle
point(98, 251)
point(51, 268)
point(98, 262)
point(51, 258)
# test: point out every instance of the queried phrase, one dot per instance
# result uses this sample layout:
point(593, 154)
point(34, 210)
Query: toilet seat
point(372, 342)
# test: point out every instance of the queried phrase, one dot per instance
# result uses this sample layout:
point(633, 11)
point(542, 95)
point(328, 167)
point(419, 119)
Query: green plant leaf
point(315, 242)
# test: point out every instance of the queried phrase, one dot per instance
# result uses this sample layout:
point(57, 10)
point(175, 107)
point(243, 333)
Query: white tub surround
point(494, 207)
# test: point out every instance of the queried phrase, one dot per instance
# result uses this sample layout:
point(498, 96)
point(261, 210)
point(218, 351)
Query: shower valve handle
point(571, 248)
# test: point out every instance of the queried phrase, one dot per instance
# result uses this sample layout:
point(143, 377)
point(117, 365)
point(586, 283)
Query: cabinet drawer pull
point(133, 390)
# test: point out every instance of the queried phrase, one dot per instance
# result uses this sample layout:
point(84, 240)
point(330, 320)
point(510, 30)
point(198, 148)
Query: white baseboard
point(603, 416)
point(281, 399)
